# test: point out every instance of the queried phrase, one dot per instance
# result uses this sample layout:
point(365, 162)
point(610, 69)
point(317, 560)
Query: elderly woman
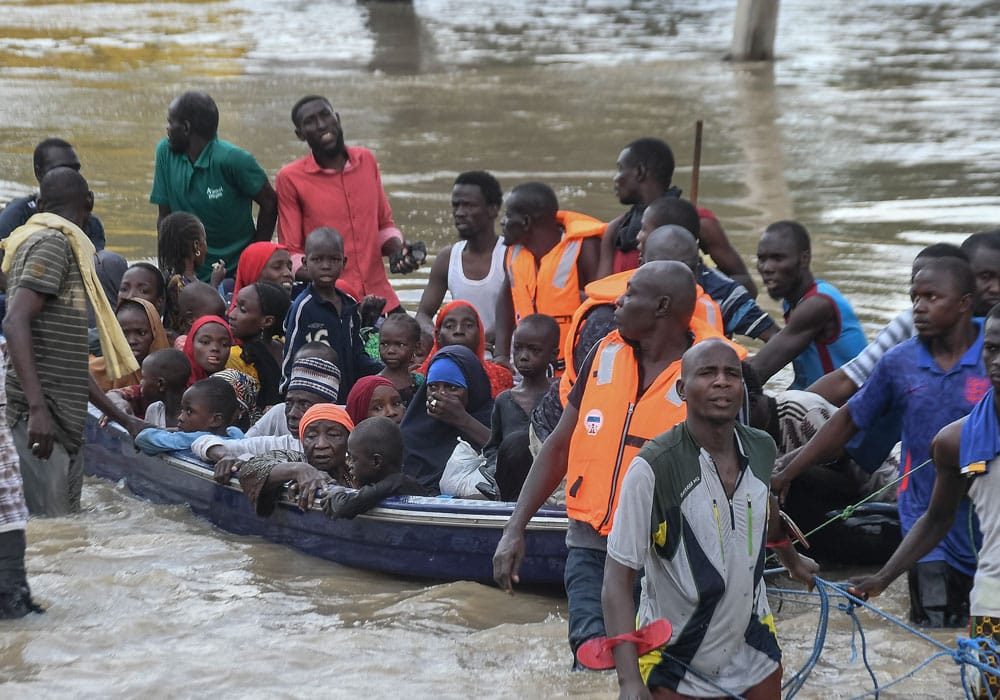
point(323, 431)
point(455, 403)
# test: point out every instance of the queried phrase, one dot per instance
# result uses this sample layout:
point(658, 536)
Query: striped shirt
point(899, 329)
point(45, 264)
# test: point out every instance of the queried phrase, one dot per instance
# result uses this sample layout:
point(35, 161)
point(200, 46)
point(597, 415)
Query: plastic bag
point(461, 473)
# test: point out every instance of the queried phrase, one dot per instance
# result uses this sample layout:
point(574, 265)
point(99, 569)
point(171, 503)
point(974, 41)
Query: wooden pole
point(696, 163)
point(753, 30)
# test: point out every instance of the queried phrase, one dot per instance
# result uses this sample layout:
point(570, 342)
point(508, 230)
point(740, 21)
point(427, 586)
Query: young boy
point(375, 458)
point(323, 312)
point(194, 301)
point(397, 344)
point(164, 377)
point(535, 349)
point(207, 408)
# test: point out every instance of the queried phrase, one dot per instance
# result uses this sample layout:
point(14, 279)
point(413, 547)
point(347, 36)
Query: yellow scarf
point(117, 354)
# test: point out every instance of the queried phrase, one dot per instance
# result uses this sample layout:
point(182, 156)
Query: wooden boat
point(431, 538)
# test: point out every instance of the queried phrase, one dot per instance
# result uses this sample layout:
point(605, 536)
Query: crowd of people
point(591, 364)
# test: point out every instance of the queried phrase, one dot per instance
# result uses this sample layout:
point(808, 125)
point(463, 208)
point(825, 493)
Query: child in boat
point(321, 462)
point(207, 346)
point(196, 300)
point(247, 389)
point(140, 322)
point(256, 317)
point(375, 460)
point(324, 312)
point(157, 397)
point(208, 407)
point(164, 377)
point(397, 342)
point(508, 457)
point(375, 396)
point(458, 323)
point(145, 281)
point(181, 250)
point(264, 261)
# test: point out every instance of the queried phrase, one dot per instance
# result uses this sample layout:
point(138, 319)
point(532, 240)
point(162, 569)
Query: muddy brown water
point(875, 127)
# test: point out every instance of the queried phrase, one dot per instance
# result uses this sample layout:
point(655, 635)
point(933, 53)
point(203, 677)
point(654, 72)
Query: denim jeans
point(584, 578)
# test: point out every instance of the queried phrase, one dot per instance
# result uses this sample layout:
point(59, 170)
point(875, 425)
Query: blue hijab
point(429, 442)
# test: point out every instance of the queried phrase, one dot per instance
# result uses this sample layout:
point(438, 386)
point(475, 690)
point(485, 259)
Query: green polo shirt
point(218, 188)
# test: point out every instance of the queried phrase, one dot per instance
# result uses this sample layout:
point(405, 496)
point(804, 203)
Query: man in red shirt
point(340, 187)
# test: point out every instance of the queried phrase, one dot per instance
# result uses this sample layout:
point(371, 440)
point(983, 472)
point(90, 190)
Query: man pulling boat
point(695, 513)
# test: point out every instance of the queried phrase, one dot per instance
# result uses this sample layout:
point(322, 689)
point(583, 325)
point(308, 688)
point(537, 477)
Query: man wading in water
point(696, 514)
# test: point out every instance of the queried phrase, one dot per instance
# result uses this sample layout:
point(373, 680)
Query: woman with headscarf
point(323, 431)
point(263, 261)
point(454, 403)
point(373, 396)
point(207, 346)
point(458, 323)
point(143, 329)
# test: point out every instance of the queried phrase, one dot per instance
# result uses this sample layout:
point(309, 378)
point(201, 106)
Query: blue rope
point(857, 631)
point(795, 683)
point(982, 654)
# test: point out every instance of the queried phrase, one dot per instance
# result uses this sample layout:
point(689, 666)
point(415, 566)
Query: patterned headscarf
point(246, 387)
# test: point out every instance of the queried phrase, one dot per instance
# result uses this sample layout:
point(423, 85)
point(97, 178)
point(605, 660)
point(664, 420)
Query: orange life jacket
point(551, 286)
point(606, 291)
point(613, 424)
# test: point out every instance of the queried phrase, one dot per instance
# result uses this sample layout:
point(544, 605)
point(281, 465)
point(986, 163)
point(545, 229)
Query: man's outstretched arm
point(933, 525)
point(808, 320)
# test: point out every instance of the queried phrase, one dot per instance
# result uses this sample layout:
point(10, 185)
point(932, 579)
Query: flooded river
point(876, 127)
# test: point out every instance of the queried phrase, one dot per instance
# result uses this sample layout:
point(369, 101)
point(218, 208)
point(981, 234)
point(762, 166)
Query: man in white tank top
point(472, 269)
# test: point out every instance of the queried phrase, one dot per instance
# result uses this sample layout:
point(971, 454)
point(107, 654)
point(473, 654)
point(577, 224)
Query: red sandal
point(597, 653)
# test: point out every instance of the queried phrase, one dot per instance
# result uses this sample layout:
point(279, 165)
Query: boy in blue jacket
point(324, 313)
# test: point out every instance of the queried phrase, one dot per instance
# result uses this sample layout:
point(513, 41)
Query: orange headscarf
point(325, 411)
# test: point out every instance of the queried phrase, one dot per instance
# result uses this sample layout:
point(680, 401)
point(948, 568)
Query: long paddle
point(696, 163)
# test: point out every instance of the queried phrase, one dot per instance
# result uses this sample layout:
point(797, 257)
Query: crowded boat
point(618, 377)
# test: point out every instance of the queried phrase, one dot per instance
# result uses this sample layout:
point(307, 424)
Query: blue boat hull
point(432, 538)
